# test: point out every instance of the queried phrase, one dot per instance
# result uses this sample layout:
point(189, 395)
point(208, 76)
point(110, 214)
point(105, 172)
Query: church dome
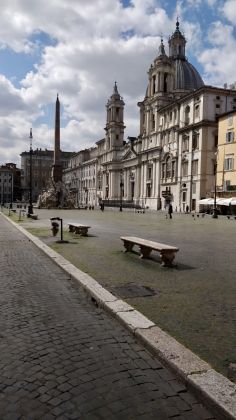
point(186, 77)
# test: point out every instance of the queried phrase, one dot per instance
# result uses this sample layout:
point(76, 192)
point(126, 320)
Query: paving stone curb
point(214, 389)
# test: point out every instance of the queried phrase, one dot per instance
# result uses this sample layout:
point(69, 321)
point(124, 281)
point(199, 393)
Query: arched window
point(168, 167)
point(173, 167)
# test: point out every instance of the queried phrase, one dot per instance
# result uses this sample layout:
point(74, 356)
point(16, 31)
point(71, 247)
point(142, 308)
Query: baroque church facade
point(172, 160)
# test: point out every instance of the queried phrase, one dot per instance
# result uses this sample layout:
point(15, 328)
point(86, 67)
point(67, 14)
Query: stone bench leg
point(81, 231)
point(128, 246)
point(84, 231)
point(167, 258)
point(144, 252)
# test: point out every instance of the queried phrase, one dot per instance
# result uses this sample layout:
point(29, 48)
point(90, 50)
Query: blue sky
point(79, 49)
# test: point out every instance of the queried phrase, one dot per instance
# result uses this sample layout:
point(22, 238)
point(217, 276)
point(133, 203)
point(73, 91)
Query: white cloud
point(229, 10)
point(198, 3)
point(219, 61)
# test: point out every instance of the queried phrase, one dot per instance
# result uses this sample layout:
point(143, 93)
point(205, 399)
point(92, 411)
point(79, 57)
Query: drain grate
point(131, 290)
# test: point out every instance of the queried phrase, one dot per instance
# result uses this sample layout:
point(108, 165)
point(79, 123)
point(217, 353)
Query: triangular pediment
point(130, 154)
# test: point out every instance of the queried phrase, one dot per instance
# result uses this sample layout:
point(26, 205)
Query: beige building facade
point(226, 155)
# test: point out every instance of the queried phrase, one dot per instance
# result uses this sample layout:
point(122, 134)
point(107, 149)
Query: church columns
point(137, 182)
point(115, 184)
point(142, 180)
point(154, 177)
point(156, 181)
point(158, 81)
point(148, 121)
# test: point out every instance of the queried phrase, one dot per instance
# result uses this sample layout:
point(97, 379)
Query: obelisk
point(57, 167)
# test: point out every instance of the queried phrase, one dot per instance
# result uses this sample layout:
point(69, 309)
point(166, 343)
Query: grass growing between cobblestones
point(194, 302)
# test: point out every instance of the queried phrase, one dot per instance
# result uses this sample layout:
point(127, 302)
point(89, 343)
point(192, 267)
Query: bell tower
point(159, 91)
point(115, 121)
point(161, 77)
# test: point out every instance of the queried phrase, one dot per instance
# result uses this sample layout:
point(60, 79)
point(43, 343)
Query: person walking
point(170, 210)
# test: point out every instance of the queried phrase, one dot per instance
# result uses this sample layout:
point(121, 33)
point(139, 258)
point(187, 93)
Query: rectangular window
point(229, 162)
point(226, 185)
point(229, 136)
point(195, 140)
point(185, 168)
point(194, 188)
point(196, 111)
point(185, 144)
point(149, 173)
point(195, 167)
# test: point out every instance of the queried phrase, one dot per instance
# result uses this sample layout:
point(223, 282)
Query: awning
point(219, 201)
point(206, 201)
point(228, 201)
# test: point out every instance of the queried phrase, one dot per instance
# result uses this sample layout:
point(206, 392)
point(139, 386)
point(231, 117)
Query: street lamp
point(215, 215)
point(30, 207)
point(121, 191)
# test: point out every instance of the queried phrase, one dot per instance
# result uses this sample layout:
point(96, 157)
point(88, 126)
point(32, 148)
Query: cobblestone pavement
point(64, 358)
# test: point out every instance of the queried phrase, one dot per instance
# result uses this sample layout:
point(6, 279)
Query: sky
point(79, 49)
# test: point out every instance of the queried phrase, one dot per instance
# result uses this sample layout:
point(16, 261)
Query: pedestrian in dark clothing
point(187, 209)
point(170, 210)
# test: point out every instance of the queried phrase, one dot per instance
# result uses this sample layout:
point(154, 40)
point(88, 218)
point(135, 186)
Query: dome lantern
point(177, 44)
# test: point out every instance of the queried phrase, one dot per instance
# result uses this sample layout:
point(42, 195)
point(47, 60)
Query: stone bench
point(139, 210)
point(167, 252)
point(78, 228)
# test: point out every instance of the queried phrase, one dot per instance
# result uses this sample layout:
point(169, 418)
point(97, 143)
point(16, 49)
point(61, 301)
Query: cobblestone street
point(64, 358)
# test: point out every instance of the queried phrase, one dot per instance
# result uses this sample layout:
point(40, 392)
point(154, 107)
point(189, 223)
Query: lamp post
point(215, 215)
point(11, 190)
point(30, 207)
point(55, 228)
point(121, 192)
